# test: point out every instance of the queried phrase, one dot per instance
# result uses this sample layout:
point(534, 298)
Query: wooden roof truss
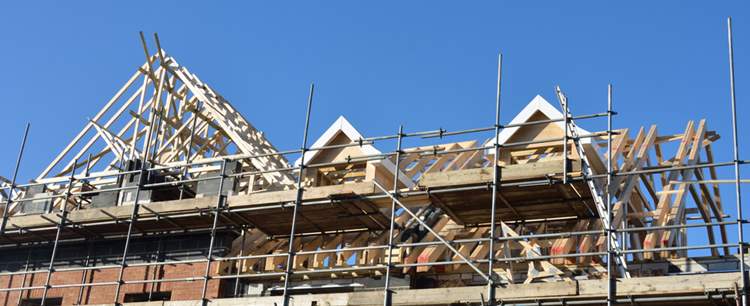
point(639, 200)
point(165, 114)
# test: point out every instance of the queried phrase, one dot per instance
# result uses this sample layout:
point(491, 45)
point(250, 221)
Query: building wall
point(185, 290)
point(106, 254)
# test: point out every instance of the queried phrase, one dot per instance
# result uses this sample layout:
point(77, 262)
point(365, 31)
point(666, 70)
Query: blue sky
point(426, 64)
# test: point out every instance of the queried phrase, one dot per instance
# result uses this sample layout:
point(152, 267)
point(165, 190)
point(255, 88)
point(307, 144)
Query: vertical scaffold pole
point(84, 179)
point(612, 280)
point(25, 276)
point(9, 201)
point(625, 236)
point(142, 179)
point(298, 201)
point(131, 224)
point(388, 293)
point(495, 182)
point(566, 119)
point(221, 200)
point(13, 180)
point(156, 268)
point(740, 218)
point(239, 262)
point(60, 227)
point(86, 262)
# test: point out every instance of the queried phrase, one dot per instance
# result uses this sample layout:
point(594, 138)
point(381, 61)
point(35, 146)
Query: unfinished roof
point(544, 189)
point(170, 117)
point(343, 132)
point(537, 109)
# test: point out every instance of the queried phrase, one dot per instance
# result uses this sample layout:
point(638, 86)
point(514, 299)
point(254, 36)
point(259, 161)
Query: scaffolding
point(187, 136)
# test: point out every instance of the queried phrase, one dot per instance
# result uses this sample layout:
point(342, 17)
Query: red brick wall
point(184, 290)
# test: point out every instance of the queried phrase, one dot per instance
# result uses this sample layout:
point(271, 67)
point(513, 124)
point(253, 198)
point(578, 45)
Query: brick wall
point(184, 290)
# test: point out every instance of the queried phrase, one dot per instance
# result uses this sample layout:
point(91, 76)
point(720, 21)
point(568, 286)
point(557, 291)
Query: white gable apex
point(341, 125)
point(538, 104)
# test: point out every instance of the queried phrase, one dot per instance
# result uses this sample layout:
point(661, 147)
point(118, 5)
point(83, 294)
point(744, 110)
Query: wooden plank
point(714, 206)
point(633, 162)
point(435, 200)
point(88, 126)
point(244, 134)
point(531, 250)
point(665, 199)
point(565, 245)
point(429, 237)
point(466, 248)
point(677, 285)
point(538, 170)
point(702, 205)
point(359, 241)
point(676, 214)
point(320, 258)
point(433, 253)
point(301, 261)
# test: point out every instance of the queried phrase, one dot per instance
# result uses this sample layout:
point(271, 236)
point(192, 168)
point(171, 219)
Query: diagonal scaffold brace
point(436, 234)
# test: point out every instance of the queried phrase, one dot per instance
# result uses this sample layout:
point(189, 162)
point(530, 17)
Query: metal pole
point(141, 178)
point(496, 173)
point(60, 226)
point(219, 208)
point(156, 268)
point(432, 231)
point(84, 180)
point(565, 141)
point(133, 218)
point(735, 143)
point(154, 105)
point(388, 293)
point(612, 283)
point(239, 262)
point(13, 180)
point(624, 235)
point(602, 207)
point(84, 274)
point(25, 275)
point(298, 202)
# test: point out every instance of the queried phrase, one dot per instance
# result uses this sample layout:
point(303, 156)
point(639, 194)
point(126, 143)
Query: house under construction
point(169, 195)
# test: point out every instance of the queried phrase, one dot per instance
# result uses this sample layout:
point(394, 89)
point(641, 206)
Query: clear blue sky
point(426, 64)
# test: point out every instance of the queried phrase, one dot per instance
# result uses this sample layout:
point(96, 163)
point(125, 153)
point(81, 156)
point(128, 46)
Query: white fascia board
point(537, 104)
point(341, 125)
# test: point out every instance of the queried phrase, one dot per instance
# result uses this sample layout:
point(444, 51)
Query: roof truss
point(165, 114)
